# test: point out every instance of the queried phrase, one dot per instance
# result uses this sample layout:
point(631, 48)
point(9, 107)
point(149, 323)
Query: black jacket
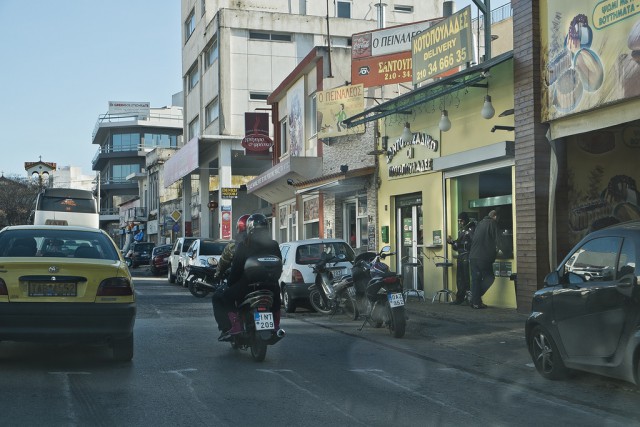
point(260, 244)
point(484, 245)
point(463, 243)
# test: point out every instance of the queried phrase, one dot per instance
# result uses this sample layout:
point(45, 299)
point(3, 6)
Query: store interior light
point(407, 136)
point(487, 109)
point(445, 123)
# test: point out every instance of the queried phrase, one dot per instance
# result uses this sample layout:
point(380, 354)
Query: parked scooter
point(379, 292)
point(255, 325)
point(328, 294)
point(200, 280)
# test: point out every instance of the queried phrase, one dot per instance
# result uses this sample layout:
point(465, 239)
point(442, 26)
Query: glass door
point(409, 232)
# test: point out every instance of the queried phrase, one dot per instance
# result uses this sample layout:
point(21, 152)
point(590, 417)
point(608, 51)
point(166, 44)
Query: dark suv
point(586, 315)
point(141, 253)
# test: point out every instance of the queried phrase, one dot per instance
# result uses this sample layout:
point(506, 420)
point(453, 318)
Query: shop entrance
point(409, 232)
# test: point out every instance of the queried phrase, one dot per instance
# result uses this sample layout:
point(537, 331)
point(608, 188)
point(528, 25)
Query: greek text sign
point(442, 47)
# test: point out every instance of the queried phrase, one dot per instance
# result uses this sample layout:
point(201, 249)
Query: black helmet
point(257, 222)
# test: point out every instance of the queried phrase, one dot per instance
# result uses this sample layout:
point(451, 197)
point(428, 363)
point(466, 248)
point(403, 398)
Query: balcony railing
point(116, 118)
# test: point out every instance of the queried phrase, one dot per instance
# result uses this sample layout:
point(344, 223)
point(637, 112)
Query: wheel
point(350, 309)
point(318, 303)
point(288, 302)
point(545, 355)
point(398, 322)
point(181, 276)
point(258, 348)
point(123, 349)
point(196, 290)
point(170, 277)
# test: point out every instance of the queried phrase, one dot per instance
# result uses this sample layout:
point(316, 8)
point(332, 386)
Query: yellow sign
point(442, 47)
point(175, 215)
point(229, 192)
point(335, 105)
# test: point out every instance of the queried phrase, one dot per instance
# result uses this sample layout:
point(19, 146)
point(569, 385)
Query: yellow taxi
point(65, 284)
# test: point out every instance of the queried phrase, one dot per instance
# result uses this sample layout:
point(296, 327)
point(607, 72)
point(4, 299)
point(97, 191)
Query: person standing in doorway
point(462, 245)
point(481, 257)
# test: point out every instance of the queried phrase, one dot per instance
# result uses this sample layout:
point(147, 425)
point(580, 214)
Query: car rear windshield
point(312, 253)
point(212, 248)
point(37, 242)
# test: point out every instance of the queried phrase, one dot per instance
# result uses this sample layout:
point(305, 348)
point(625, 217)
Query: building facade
point(124, 135)
point(232, 61)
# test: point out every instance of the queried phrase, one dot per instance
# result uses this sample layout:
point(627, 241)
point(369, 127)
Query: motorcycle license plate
point(264, 321)
point(395, 300)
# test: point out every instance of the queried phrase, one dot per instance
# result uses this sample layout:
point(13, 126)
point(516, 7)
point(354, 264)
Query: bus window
point(66, 206)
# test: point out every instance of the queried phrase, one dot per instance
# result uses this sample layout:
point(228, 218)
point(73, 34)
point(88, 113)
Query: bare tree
point(17, 195)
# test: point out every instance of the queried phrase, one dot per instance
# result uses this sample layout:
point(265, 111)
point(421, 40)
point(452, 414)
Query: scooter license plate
point(264, 321)
point(395, 300)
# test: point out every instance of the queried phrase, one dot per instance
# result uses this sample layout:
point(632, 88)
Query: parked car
point(586, 315)
point(176, 272)
point(159, 259)
point(141, 253)
point(202, 249)
point(297, 274)
point(84, 297)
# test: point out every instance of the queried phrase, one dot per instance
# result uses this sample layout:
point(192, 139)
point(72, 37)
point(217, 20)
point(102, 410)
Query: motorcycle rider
point(462, 245)
point(227, 254)
point(227, 298)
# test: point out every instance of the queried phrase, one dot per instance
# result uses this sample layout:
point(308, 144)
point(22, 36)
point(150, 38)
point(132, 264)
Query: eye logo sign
point(364, 71)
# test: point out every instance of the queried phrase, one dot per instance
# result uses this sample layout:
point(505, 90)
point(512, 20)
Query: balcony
point(110, 215)
point(136, 214)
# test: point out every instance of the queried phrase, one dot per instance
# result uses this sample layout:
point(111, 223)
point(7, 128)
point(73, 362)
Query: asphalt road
point(325, 372)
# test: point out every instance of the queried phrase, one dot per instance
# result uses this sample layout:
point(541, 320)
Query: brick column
point(531, 154)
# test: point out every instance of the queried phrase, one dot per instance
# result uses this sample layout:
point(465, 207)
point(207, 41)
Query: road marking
point(66, 393)
point(382, 375)
point(280, 373)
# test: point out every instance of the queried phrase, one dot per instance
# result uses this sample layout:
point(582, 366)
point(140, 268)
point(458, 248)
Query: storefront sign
point(229, 193)
point(335, 105)
point(383, 56)
point(581, 69)
point(442, 47)
point(256, 138)
point(414, 167)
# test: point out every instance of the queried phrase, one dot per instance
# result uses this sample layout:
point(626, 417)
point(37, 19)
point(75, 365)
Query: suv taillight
point(115, 286)
point(296, 276)
point(3, 288)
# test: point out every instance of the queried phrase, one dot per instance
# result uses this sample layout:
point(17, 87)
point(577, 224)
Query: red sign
point(256, 132)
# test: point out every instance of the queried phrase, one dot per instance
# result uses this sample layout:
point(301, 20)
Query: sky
point(64, 60)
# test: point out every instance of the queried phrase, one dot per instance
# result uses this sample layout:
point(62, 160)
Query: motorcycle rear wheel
point(197, 291)
point(398, 321)
point(318, 302)
point(258, 348)
point(350, 309)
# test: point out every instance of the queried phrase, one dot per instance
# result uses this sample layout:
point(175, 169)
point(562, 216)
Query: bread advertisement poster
point(590, 54)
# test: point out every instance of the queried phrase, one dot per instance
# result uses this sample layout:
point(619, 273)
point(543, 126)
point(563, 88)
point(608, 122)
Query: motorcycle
point(328, 294)
point(379, 292)
point(200, 280)
point(254, 323)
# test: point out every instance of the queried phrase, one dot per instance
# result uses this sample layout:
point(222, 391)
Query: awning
point(277, 184)
point(472, 76)
point(339, 182)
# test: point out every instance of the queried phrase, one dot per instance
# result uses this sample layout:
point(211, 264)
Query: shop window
point(311, 218)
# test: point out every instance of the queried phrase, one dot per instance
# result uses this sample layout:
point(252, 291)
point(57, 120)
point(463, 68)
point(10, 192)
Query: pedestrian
point(462, 245)
point(483, 252)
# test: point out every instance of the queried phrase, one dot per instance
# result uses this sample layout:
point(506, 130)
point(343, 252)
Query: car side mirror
point(552, 279)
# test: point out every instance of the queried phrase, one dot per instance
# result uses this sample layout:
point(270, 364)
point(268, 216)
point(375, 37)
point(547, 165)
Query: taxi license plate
point(49, 289)
point(264, 321)
point(395, 300)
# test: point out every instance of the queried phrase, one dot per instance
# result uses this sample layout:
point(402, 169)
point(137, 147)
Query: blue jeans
point(482, 278)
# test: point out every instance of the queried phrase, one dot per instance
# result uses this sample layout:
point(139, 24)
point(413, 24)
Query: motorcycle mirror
point(385, 249)
point(341, 256)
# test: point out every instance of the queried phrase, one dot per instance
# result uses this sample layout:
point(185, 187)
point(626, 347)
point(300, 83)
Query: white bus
point(66, 206)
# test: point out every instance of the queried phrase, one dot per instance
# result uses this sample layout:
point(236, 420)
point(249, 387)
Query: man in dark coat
point(481, 257)
point(462, 245)
point(226, 299)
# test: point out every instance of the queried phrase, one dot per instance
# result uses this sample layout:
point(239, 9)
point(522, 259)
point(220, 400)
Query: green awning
point(472, 76)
